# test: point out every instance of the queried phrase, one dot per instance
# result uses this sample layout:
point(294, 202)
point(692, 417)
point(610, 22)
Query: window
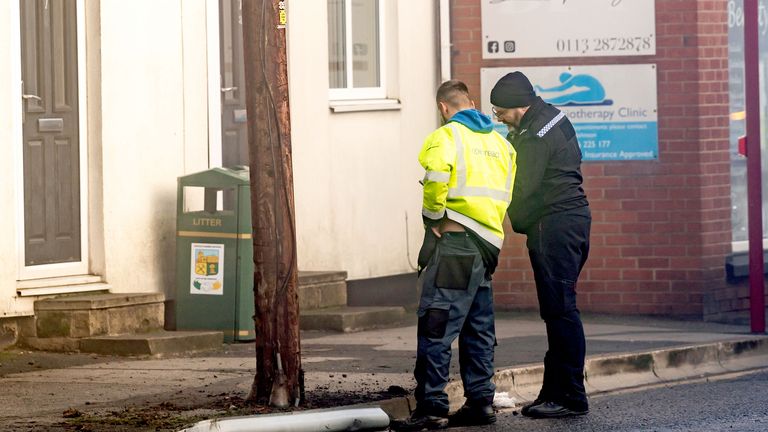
point(738, 118)
point(355, 49)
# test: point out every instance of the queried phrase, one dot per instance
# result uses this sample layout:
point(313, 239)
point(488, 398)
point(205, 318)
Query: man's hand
point(436, 230)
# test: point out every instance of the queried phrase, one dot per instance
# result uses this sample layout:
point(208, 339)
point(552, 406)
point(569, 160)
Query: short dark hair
point(454, 93)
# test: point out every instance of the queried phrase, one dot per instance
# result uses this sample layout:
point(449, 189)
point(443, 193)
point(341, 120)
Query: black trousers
point(558, 245)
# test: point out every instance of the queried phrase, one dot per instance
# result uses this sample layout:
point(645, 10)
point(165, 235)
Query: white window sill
point(743, 246)
point(342, 106)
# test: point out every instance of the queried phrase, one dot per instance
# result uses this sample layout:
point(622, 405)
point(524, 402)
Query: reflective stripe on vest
point(461, 164)
point(476, 227)
point(433, 215)
point(437, 176)
point(478, 192)
point(510, 173)
point(550, 125)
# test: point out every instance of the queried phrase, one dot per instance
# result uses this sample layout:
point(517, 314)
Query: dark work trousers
point(456, 301)
point(558, 246)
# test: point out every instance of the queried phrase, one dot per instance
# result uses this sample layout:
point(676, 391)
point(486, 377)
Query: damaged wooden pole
point(278, 379)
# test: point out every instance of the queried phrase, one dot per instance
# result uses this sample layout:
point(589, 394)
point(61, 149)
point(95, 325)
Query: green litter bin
point(214, 253)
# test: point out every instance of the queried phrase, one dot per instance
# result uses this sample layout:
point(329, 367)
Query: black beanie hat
point(513, 91)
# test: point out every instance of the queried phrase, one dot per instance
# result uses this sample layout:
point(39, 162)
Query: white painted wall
point(9, 107)
point(154, 112)
point(356, 174)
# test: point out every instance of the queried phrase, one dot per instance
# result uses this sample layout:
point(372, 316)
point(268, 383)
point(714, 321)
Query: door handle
point(31, 96)
point(228, 89)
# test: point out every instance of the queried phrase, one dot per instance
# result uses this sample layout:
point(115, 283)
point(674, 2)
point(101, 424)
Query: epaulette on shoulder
point(550, 125)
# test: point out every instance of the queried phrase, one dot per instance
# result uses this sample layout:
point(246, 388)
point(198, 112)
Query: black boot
point(420, 421)
point(527, 408)
point(554, 410)
point(473, 415)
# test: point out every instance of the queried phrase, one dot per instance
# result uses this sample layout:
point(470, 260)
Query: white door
point(52, 208)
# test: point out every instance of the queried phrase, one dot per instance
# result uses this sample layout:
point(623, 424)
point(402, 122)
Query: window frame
point(738, 246)
point(362, 93)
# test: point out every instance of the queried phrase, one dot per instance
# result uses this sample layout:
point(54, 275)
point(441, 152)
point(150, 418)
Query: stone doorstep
point(351, 319)
point(320, 277)
point(98, 301)
point(154, 343)
point(116, 320)
point(323, 295)
point(55, 344)
point(87, 315)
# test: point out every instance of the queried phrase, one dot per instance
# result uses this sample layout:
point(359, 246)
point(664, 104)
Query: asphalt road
point(733, 404)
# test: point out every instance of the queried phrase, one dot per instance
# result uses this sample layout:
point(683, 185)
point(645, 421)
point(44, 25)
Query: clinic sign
point(515, 29)
point(612, 107)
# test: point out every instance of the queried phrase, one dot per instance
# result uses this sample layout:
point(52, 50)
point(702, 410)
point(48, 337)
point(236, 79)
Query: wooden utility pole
point(278, 379)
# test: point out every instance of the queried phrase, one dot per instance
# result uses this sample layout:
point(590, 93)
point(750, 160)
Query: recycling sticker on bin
point(207, 269)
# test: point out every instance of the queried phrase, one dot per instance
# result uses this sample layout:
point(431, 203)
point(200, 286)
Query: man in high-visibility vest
point(470, 171)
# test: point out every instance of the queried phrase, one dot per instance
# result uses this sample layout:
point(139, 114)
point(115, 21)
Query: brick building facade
point(661, 229)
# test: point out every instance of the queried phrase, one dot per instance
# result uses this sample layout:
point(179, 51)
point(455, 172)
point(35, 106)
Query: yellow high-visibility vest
point(469, 177)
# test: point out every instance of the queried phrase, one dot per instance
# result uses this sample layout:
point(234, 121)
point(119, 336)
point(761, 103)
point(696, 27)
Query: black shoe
point(553, 410)
point(419, 422)
point(528, 407)
point(469, 415)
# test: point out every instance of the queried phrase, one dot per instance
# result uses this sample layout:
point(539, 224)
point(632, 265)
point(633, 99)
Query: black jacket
point(548, 176)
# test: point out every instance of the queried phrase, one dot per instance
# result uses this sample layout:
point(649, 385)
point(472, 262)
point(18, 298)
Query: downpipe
point(444, 39)
point(353, 419)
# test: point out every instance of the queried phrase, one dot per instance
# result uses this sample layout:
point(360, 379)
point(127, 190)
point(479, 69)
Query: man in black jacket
point(549, 206)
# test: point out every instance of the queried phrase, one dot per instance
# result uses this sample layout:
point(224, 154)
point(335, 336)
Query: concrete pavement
point(622, 352)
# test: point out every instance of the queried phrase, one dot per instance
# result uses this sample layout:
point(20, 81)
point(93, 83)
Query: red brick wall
point(730, 303)
point(661, 228)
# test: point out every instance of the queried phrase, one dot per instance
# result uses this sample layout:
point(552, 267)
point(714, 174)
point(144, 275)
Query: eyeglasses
point(495, 112)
